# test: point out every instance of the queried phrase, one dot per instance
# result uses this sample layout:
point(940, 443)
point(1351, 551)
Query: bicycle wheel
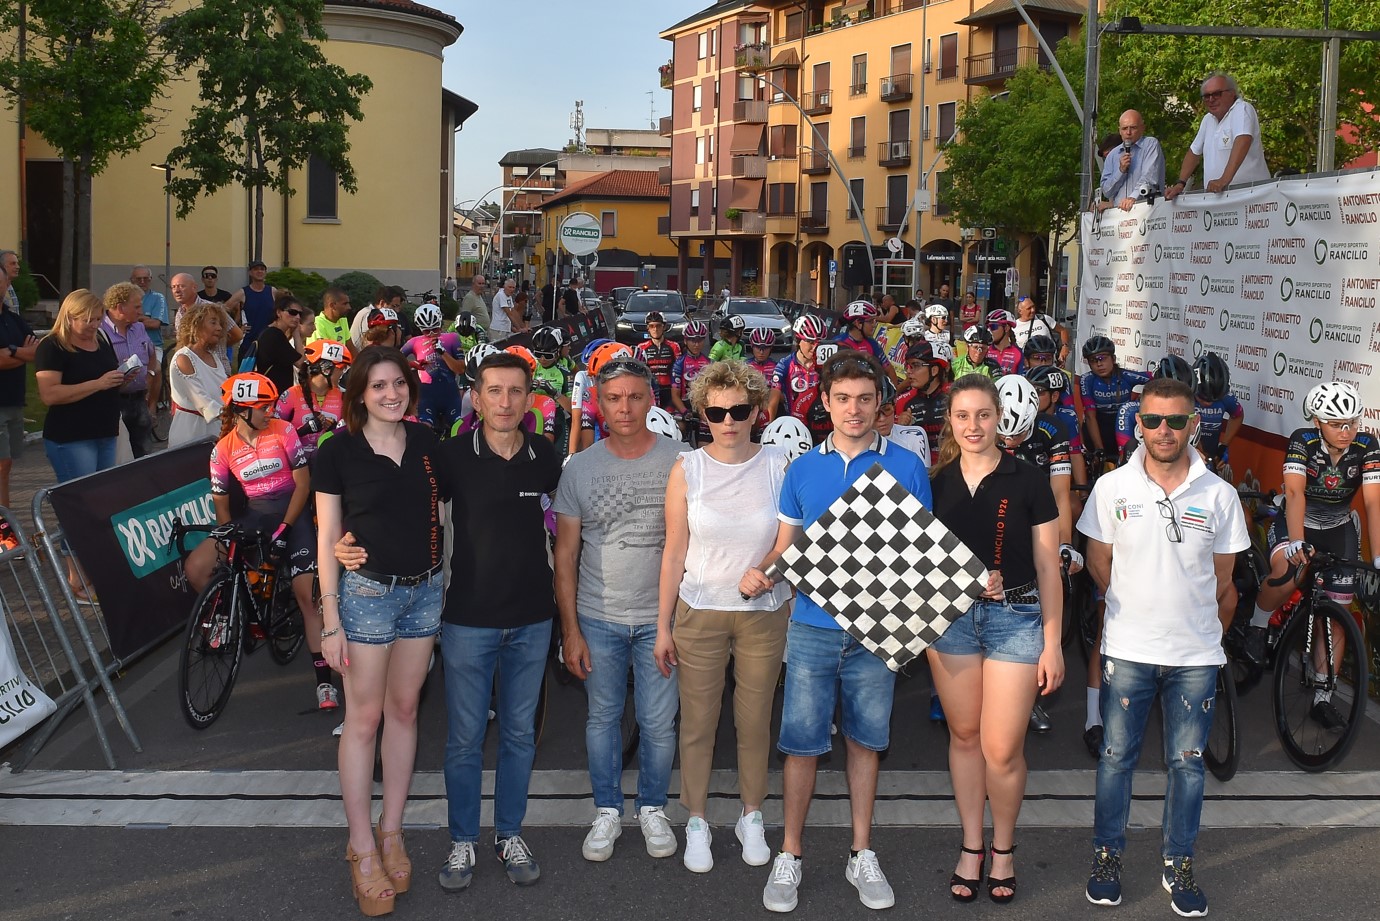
point(285, 632)
point(1223, 753)
point(211, 652)
point(1305, 673)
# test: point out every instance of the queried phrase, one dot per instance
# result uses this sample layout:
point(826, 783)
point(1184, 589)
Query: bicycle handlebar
point(1318, 559)
point(222, 533)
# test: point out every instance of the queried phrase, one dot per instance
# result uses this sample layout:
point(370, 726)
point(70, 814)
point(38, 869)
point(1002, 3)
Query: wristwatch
point(14, 351)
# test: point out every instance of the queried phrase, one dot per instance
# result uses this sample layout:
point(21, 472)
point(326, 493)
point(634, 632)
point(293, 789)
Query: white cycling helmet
point(860, 311)
point(789, 433)
point(428, 317)
point(934, 311)
point(1020, 404)
point(663, 423)
point(1332, 401)
point(475, 357)
point(913, 327)
point(810, 328)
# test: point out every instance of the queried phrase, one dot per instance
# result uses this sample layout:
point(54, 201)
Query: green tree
point(87, 79)
point(269, 100)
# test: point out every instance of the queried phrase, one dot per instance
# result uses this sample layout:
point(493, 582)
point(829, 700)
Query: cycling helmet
point(761, 337)
point(464, 323)
point(428, 317)
point(523, 352)
point(1175, 367)
point(809, 328)
point(249, 390)
point(605, 354)
point(999, 318)
point(1098, 345)
point(1047, 377)
point(1041, 345)
point(663, 423)
point(383, 316)
point(475, 357)
point(1212, 376)
point(936, 311)
point(327, 350)
point(590, 348)
point(1020, 404)
point(913, 328)
point(732, 324)
point(924, 351)
point(1332, 401)
point(886, 391)
point(546, 342)
point(696, 329)
point(655, 316)
point(860, 312)
point(789, 433)
point(977, 335)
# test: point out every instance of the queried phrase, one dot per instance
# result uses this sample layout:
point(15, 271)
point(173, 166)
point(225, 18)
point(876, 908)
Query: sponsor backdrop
point(1280, 279)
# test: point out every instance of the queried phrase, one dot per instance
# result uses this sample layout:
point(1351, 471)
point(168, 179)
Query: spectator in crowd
point(969, 312)
point(475, 304)
point(156, 318)
point(252, 305)
point(131, 341)
point(721, 506)
point(610, 517)
point(185, 296)
point(946, 298)
point(505, 318)
point(571, 298)
point(548, 302)
point(333, 322)
point(17, 347)
point(389, 296)
point(1031, 322)
point(448, 287)
point(209, 292)
point(195, 374)
point(276, 358)
point(1227, 144)
point(1137, 165)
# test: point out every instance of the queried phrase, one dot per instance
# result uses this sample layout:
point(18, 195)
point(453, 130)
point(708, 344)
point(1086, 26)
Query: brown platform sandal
point(396, 863)
point(369, 889)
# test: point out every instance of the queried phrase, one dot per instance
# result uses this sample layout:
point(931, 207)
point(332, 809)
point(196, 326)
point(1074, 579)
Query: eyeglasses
point(1339, 425)
point(323, 368)
point(857, 364)
point(717, 414)
point(293, 312)
point(209, 275)
point(621, 366)
point(141, 279)
point(1178, 422)
point(1208, 97)
point(1097, 358)
point(1172, 530)
point(546, 356)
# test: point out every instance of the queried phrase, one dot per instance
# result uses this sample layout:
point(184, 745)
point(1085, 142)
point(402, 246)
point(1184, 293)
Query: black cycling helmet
point(546, 342)
point(1099, 345)
point(1213, 377)
point(887, 391)
point(1041, 345)
point(732, 324)
point(464, 323)
point(1048, 377)
point(655, 316)
point(977, 335)
point(1175, 367)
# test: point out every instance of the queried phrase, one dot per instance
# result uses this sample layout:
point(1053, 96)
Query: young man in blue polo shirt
point(823, 663)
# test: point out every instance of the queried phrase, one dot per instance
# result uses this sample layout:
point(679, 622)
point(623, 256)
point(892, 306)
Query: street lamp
point(167, 226)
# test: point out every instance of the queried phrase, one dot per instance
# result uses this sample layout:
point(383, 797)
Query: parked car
point(631, 326)
point(620, 295)
point(758, 312)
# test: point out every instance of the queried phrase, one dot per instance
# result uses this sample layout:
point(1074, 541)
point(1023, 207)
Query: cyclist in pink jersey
point(315, 403)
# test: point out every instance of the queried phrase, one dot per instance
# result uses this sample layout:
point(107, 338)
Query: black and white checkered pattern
point(885, 568)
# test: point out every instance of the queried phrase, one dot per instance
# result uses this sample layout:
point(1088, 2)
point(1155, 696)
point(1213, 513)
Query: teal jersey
point(724, 350)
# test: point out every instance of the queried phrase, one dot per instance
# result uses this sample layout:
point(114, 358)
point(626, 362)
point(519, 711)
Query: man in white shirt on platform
point(1228, 141)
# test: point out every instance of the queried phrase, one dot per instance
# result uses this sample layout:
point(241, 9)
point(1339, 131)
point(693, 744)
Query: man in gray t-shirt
point(610, 529)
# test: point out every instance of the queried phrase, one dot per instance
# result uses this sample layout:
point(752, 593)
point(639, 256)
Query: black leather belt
point(1024, 594)
point(392, 581)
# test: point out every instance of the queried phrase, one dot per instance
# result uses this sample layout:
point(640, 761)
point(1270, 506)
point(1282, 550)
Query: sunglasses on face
point(293, 312)
point(323, 368)
point(208, 275)
point(1339, 425)
point(855, 363)
point(717, 414)
point(1178, 422)
point(1208, 97)
point(621, 366)
point(1099, 358)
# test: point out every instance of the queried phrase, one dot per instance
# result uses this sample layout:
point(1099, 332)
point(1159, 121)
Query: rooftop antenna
point(651, 106)
point(577, 124)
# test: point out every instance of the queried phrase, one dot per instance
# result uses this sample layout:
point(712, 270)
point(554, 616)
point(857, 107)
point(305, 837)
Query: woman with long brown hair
point(196, 373)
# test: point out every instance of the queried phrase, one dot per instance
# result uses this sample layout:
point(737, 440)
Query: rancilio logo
point(1140, 282)
point(1227, 252)
point(1203, 284)
point(1223, 319)
point(1315, 330)
point(1320, 252)
point(1207, 219)
point(1159, 250)
point(1286, 288)
point(1197, 348)
point(1281, 363)
point(1154, 311)
point(1291, 214)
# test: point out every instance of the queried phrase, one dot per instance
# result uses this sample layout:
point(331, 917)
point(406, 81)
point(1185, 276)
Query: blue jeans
point(613, 649)
point(72, 459)
point(1186, 696)
point(824, 667)
point(470, 656)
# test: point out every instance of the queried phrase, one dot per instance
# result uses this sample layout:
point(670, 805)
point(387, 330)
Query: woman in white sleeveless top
point(195, 374)
point(721, 504)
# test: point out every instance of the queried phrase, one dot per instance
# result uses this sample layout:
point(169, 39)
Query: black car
point(631, 326)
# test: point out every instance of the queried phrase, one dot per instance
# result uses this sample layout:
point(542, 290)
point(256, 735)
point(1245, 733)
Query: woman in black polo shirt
point(379, 482)
point(989, 666)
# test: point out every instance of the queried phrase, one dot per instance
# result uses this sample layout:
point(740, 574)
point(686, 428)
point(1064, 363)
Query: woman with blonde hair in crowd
point(196, 372)
point(721, 503)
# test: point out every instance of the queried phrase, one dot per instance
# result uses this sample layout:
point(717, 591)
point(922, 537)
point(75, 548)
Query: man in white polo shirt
point(1164, 521)
point(1227, 143)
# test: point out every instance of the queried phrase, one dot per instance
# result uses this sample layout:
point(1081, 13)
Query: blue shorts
point(824, 666)
point(374, 614)
point(993, 630)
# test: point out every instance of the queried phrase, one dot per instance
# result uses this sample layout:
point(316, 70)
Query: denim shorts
point(825, 666)
point(374, 614)
point(995, 630)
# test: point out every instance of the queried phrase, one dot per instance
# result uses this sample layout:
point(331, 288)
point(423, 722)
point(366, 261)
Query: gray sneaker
point(865, 874)
point(518, 862)
point(782, 892)
point(459, 868)
point(603, 831)
point(656, 831)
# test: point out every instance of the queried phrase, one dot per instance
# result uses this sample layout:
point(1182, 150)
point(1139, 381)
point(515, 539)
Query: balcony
point(815, 164)
point(750, 111)
point(857, 152)
point(663, 175)
point(780, 223)
point(668, 75)
point(857, 89)
point(666, 126)
point(814, 221)
point(749, 168)
point(998, 66)
point(889, 216)
point(893, 153)
point(663, 225)
point(896, 88)
point(820, 102)
point(752, 56)
point(747, 222)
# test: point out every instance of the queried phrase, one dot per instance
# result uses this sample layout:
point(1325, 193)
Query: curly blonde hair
point(120, 292)
point(729, 375)
point(190, 324)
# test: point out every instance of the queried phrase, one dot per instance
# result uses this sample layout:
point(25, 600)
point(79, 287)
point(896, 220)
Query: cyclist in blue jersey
point(859, 332)
point(1220, 415)
point(1127, 437)
point(1104, 391)
point(1052, 383)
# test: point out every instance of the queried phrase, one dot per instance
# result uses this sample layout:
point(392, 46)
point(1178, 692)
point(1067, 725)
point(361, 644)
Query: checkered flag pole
point(887, 571)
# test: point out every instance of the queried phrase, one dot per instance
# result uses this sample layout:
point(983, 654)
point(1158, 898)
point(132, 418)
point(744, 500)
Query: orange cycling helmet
point(523, 352)
point(327, 350)
point(605, 354)
point(250, 390)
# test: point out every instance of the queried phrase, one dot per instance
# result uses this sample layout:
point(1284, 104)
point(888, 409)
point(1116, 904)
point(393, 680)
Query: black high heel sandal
point(971, 885)
point(994, 884)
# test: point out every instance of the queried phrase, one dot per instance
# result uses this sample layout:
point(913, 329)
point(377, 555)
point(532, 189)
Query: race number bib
point(246, 390)
point(825, 351)
point(333, 352)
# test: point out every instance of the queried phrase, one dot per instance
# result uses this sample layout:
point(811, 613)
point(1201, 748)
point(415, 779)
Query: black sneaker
point(1093, 738)
point(1039, 719)
point(1254, 647)
point(1184, 895)
point(518, 861)
point(1104, 885)
point(1326, 715)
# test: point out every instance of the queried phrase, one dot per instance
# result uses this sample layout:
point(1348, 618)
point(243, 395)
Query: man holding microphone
point(1138, 164)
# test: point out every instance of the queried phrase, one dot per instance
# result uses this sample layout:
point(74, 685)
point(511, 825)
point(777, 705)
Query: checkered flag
point(884, 568)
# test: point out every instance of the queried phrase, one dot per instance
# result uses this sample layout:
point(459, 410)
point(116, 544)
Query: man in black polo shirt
point(498, 613)
point(17, 344)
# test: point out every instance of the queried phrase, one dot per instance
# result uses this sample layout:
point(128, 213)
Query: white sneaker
point(752, 836)
point(656, 831)
point(782, 889)
point(865, 874)
point(605, 829)
point(327, 697)
point(698, 857)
